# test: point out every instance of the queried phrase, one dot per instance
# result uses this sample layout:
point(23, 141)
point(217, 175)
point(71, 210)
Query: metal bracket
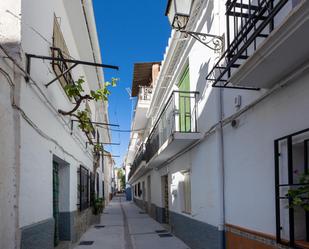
point(75, 63)
point(214, 42)
point(95, 123)
point(62, 74)
point(102, 143)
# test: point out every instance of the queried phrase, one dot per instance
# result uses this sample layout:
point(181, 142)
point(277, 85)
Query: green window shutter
point(184, 102)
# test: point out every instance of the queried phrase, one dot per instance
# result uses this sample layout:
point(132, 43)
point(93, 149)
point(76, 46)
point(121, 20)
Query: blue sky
point(129, 32)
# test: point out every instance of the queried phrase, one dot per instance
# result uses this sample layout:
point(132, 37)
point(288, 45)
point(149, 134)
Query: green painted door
point(184, 102)
point(56, 202)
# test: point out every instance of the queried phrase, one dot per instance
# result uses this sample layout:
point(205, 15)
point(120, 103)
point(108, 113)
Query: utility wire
point(39, 91)
point(30, 122)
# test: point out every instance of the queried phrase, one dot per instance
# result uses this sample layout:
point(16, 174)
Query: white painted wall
point(43, 132)
point(249, 153)
point(248, 149)
point(10, 130)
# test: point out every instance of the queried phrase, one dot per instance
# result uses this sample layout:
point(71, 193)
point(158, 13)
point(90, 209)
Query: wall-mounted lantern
point(178, 13)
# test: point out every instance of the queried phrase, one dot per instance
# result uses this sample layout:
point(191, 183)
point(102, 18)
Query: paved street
point(124, 226)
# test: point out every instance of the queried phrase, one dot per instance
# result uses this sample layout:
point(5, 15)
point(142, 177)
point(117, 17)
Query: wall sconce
point(178, 13)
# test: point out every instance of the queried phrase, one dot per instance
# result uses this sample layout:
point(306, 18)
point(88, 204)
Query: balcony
point(139, 161)
point(266, 41)
point(174, 130)
point(141, 107)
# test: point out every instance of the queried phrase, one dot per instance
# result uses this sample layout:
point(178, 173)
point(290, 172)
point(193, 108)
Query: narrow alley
point(125, 226)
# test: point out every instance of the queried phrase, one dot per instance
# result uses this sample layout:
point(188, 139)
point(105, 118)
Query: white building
point(205, 161)
point(45, 166)
point(109, 164)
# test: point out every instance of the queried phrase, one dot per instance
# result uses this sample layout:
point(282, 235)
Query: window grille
point(103, 194)
point(92, 188)
point(139, 190)
point(98, 186)
point(83, 188)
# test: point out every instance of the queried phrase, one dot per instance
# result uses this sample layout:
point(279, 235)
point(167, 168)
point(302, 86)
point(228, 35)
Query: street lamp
point(178, 13)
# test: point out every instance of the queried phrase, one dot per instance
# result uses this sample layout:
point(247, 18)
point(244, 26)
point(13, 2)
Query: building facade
point(47, 179)
point(223, 136)
point(109, 165)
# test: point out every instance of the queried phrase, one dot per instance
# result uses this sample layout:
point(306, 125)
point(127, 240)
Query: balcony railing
point(140, 156)
point(178, 115)
point(145, 93)
point(249, 22)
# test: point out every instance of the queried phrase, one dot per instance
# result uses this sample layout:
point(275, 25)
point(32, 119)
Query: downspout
point(221, 175)
point(221, 162)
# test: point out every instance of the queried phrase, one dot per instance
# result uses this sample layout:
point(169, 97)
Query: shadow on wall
point(207, 116)
point(202, 83)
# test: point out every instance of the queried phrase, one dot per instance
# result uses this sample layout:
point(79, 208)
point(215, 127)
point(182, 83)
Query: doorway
point(166, 218)
point(61, 200)
point(144, 195)
point(56, 202)
point(149, 193)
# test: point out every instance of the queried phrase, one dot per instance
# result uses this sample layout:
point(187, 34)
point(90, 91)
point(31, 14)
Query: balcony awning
point(142, 76)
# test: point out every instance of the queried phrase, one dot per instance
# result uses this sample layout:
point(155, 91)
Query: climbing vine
point(76, 91)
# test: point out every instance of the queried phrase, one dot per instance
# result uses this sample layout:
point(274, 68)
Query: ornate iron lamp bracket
point(214, 42)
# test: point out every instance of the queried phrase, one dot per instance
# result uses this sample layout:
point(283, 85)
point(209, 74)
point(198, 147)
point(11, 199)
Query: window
point(60, 50)
point(83, 188)
point(92, 186)
point(291, 165)
point(98, 186)
point(186, 189)
point(139, 190)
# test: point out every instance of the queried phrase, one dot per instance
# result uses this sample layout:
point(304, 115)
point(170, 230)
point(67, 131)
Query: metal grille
point(291, 161)
point(249, 22)
point(92, 189)
point(178, 115)
point(83, 188)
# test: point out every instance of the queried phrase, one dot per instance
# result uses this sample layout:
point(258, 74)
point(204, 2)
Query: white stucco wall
point(26, 193)
point(10, 130)
point(248, 149)
point(249, 155)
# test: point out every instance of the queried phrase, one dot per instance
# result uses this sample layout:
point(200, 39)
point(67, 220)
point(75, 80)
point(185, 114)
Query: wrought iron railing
point(178, 115)
point(249, 22)
point(83, 188)
point(145, 93)
point(140, 156)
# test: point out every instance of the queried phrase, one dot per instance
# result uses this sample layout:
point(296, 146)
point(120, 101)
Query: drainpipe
point(221, 176)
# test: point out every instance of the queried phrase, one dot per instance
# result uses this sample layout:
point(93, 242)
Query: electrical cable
point(30, 122)
point(43, 96)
